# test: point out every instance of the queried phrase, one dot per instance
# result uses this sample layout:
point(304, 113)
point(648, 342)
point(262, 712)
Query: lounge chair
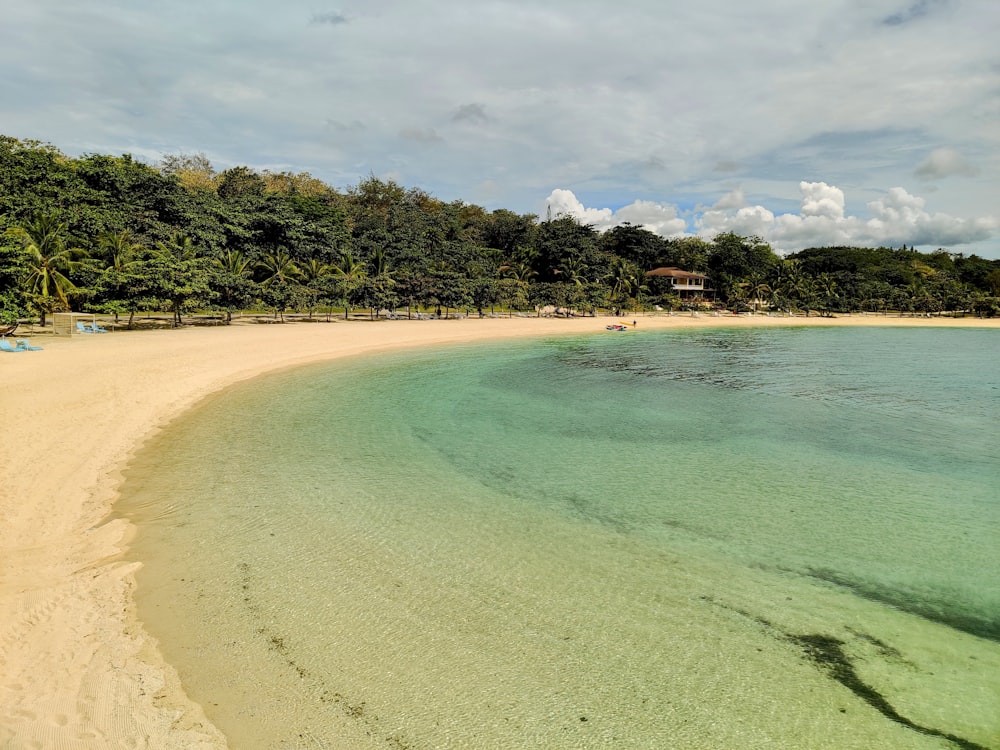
point(98, 328)
point(6, 346)
point(24, 346)
point(83, 327)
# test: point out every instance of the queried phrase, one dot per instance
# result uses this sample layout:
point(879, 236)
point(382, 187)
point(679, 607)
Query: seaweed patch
point(828, 652)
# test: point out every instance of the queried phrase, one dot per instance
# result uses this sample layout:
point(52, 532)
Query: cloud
point(565, 203)
point(471, 113)
point(820, 199)
point(895, 218)
point(656, 217)
point(945, 162)
point(732, 199)
point(749, 221)
point(420, 135)
point(330, 18)
point(914, 11)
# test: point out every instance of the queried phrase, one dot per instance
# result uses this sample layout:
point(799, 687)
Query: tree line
point(113, 235)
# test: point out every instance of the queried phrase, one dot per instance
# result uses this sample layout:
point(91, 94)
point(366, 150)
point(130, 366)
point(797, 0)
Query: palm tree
point(313, 274)
point(573, 271)
point(754, 289)
point(626, 280)
point(43, 239)
point(826, 288)
point(120, 250)
point(234, 262)
point(520, 271)
point(792, 285)
point(180, 247)
point(350, 273)
point(281, 275)
point(233, 280)
point(122, 255)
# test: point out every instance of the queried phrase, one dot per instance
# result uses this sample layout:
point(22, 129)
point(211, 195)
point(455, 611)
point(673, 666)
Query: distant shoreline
point(79, 670)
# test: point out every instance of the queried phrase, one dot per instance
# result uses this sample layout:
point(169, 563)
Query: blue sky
point(807, 124)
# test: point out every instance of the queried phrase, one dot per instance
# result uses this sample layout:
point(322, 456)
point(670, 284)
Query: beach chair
point(96, 327)
point(24, 346)
point(83, 327)
point(6, 346)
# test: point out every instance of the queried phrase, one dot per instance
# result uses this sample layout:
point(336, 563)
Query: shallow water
point(777, 538)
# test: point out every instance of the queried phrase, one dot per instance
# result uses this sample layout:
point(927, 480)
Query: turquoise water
point(777, 538)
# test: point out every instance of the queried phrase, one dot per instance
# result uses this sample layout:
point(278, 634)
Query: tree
point(349, 274)
point(637, 245)
point(627, 282)
point(827, 292)
point(231, 281)
point(120, 284)
point(280, 276)
point(314, 275)
point(738, 258)
point(240, 183)
point(754, 290)
point(44, 240)
point(562, 241)
point(193, 171)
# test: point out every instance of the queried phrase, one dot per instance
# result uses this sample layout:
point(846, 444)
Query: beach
point(77, 669)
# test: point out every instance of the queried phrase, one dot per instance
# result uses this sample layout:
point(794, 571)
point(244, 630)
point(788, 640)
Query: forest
point(116, 236)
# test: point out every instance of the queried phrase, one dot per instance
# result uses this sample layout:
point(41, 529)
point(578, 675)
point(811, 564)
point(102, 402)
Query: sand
point(77, 669)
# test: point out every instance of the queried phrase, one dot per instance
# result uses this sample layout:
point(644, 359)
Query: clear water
point(777, 538)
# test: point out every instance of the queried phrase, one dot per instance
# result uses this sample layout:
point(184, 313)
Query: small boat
point(617, 327)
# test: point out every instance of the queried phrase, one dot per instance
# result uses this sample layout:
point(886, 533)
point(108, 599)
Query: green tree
point(733, 260)
point(232, 282)
point(315, 273)
point(49, 260)
point(279, 280)
point(350, 274)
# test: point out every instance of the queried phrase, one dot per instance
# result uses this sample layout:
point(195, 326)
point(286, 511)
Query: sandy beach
point(77, 669)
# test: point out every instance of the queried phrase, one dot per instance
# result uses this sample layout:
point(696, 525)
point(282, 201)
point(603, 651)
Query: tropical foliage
point(114, 235)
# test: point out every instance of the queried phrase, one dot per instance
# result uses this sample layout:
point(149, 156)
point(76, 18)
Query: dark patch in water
point(828, 653)
point(884, 649)
point(939, 612)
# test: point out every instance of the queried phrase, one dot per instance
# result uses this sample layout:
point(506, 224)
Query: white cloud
point(896, 218)
point(656, 217)
point(820, 199)
point(565, 203)
point(748, 221)
point(732, 199)
point(945, 162)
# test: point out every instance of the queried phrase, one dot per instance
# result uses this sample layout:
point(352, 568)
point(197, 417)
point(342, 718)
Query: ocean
point(713, 538)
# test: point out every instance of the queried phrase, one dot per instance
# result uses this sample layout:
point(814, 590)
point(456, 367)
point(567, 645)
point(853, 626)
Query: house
point(685, 284)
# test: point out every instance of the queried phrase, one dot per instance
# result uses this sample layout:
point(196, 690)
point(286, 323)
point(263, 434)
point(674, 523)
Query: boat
point(617, 327)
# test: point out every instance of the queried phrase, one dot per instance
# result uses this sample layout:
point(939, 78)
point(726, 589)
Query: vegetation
point(120, 237)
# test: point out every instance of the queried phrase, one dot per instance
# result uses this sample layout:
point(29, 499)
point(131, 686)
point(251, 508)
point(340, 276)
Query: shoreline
point(76, 666)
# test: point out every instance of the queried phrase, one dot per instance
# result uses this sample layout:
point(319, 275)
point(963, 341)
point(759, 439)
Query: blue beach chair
point(83, 327)
point(96, 327)
point(6, 346)
point(24, 346)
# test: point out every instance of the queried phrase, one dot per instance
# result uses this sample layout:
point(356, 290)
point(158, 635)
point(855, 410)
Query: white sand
point(77, 669)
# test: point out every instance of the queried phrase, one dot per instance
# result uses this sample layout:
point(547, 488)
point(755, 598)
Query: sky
point(845, 122)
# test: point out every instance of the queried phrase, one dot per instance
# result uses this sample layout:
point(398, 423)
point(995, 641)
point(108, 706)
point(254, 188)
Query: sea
point(712, 538)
